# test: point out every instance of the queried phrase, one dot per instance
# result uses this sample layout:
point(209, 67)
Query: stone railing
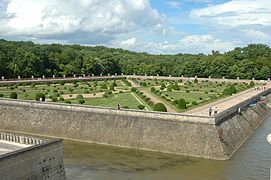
point(234, 109)
point(20, 139)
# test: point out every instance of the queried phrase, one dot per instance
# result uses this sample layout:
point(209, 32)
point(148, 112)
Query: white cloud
point(188, 44)
point(129, 42)
point(236, 13)
point(53, 18)
point(174, 4)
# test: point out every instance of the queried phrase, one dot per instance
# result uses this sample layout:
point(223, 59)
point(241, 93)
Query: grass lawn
point(189, 97)
point(125, 99)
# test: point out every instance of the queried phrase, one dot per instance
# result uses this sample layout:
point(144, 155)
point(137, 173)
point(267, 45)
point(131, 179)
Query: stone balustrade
point(20, 139)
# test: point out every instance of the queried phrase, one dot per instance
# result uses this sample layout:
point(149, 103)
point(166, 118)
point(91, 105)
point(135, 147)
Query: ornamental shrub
point(141, 106)
point(182, 104)
point(79, 96)
point(160, 107)
point(40, 95)
point(13, 95)
point(81, 101)
point(230, 90)
point(252, 84)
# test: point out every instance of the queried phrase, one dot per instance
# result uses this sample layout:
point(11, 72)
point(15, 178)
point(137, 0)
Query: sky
point(152, 26)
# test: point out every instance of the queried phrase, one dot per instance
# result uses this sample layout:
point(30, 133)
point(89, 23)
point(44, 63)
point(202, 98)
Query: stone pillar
point(54, 76)
point(19, 77)
point(74, 76)
point(64, 76)
point(93, 75)
point(116, 74)
point(122, 74)
point(238, 78)
point(3, 77)
point(170, 75)
point(253, 79)
point(43, 77)
point(32, 77)
point(84, 75)
point(101, 74)
point(108, 74)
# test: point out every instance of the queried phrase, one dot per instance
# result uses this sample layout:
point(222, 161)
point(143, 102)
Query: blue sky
point(153, 26)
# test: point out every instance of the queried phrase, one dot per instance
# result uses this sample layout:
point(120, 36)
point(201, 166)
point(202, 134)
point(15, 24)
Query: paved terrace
point(7, 146)
point(228, 102)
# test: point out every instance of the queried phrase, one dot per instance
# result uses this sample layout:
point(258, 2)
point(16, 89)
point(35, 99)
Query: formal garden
point(141, 94)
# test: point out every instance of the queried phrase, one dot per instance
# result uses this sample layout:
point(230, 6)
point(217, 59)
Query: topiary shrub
point(230, 90)
point(252, 84)
point(152, 89)
point(40, 96)
point(81, 101)
point(54, 99)
point(1, 95)
point(61, 99)
point(200, 98)
point(196, 81)
point(160, 107)
point(79, 96)
point(141, 106)
point(182, 104)
point(13, 95)
point(68, 102)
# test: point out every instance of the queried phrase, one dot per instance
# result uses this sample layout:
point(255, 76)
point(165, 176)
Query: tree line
point(27, 59)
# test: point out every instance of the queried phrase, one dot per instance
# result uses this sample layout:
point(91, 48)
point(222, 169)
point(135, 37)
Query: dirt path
point(133, 83)
point(155, 100)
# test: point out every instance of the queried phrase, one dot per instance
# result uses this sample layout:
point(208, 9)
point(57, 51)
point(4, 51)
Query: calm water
point(88, 161)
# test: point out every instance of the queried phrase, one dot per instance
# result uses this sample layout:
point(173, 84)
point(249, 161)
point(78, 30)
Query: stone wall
point(164, 132)
point(42, 161)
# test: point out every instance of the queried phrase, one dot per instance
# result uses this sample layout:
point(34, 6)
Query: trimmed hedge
point(160, 107)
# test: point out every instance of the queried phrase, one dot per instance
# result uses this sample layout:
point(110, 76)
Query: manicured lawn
point(189, 97)
point(125, 99)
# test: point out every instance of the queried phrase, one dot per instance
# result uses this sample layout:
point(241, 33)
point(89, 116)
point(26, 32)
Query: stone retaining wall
point(41, 161)
point(163, 132)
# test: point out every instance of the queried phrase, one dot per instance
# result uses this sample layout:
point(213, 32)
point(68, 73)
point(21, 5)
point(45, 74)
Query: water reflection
point(90, 161)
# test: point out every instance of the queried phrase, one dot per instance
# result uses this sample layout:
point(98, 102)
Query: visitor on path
point(210, 111)
point(118, 106)
point(239, 110)
point(216, 109)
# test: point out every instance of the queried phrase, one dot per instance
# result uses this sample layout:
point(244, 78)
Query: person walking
point(216, 110)
point(239, 111)
point(118, 106)
point(210, 111)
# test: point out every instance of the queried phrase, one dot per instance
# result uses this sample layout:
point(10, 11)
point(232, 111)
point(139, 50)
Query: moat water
point(88, 161)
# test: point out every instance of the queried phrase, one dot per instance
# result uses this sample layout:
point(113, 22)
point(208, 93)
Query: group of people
point(211, 111)
point(261, 88)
